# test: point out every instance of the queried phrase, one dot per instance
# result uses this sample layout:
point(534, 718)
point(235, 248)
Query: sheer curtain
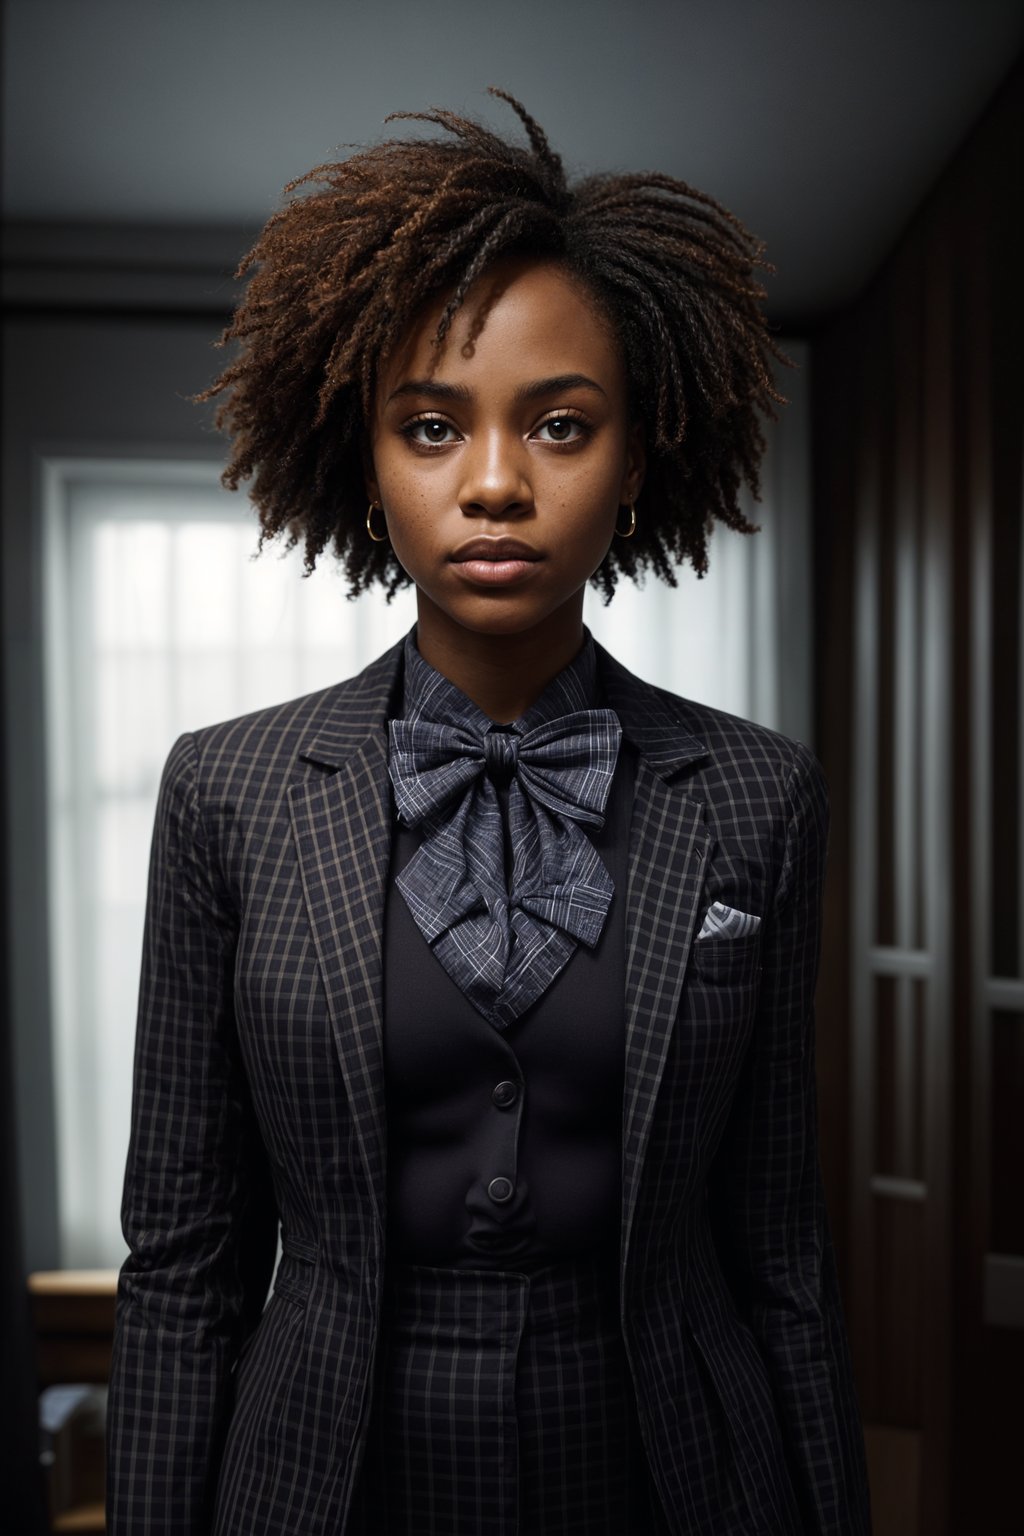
point(159, 621)
point(740, 637)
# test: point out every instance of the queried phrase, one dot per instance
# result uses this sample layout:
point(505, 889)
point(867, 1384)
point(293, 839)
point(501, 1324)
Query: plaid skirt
point(503, 1407)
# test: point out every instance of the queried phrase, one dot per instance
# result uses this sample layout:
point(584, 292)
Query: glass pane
point(130, 565)
point(131, 699)
point(205, 593)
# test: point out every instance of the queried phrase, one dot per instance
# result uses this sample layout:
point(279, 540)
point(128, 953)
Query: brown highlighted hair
point(342, 270)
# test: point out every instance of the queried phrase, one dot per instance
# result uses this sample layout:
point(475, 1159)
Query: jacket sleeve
point(198, 1214)
point(768, 1200)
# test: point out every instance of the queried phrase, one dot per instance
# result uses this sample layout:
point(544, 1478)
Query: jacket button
point(505, 1094)
point(500, 1190)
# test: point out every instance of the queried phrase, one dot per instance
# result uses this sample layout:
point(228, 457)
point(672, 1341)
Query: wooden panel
point(938, 440)
point(1004, 756)
point(87, 1517)
point(1006, 1164)
point(73, 1321)
point(882, 684)
point(885, 1160)
point(901, 1275)
point(866, 788)
point(1004, 1291)
point(921, 443)
point(894, 1467)
point(900, 1044)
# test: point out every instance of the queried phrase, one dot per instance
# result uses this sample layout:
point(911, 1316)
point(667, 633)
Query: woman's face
point(502, 459)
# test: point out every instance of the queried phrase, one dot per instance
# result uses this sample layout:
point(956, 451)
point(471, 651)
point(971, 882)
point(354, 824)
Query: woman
point(489, 972)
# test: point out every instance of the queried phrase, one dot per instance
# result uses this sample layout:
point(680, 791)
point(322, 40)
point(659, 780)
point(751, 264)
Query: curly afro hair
point(342, 270)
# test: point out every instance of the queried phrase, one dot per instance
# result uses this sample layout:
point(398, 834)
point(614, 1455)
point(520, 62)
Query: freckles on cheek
point(411, 519)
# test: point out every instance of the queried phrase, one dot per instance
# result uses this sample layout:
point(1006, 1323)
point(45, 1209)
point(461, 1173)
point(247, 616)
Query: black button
point(500, 1190)
point(505, 1094)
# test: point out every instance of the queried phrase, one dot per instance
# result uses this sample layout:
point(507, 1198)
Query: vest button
point(505, 1094)
point(500, 1190)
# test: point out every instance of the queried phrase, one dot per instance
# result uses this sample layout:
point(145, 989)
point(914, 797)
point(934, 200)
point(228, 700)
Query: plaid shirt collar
point(428, 695)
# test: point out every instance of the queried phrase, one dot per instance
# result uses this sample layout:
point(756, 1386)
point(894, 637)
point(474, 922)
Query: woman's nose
point(496, 481)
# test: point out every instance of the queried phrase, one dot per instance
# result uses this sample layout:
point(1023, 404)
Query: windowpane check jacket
point(259, 1098)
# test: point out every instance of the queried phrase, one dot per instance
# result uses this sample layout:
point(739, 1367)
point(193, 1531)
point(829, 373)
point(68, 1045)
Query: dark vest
point(504, 1149)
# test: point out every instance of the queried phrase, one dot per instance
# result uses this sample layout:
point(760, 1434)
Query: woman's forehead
point(521, 316)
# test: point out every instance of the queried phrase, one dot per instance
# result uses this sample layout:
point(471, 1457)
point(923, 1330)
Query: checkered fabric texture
point(503, 935)
point(259, 1097)
point(504, 1406)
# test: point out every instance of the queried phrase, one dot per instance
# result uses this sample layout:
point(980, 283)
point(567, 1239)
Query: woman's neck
point(502, 674)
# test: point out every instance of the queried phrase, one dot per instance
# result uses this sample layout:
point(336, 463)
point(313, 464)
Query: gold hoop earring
point(629, 532)
point(378, 538)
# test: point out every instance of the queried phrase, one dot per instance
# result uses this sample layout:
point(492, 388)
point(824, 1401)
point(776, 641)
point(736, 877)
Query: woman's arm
point(768, 1202)
point(198, 1212)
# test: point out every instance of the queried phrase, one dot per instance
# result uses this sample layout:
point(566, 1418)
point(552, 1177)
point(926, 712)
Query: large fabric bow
point(503, 910)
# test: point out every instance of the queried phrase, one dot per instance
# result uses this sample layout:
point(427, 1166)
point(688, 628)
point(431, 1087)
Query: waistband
point(585, 1289)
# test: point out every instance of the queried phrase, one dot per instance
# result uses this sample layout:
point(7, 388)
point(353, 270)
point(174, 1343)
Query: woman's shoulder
point(324, 726)
point(740, 742)
point(717, 744)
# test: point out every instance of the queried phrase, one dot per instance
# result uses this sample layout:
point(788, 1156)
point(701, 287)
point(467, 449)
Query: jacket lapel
point(668, 847)
point(668, 844)
point(341, 822)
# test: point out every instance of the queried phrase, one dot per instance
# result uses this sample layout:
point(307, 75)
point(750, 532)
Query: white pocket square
point(722, 922)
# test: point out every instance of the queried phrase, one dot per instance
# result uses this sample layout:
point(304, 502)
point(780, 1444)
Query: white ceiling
point(820, 122)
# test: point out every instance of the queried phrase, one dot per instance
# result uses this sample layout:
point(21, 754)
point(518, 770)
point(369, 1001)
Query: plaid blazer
point(259, 1096)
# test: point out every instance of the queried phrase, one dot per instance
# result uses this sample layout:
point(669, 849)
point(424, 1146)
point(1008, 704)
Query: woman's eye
point(561, 429)
point(430, 430)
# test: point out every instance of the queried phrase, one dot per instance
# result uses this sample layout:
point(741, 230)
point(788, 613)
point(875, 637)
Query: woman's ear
point(636, 465)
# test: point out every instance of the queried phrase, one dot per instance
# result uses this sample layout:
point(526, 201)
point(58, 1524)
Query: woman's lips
point(495, 562)
point(495, 573)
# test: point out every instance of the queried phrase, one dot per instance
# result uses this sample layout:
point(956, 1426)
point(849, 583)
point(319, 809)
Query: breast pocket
point(727, 962)
point(719, 1005)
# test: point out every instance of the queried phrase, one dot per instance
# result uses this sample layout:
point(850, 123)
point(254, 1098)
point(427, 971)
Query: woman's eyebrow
point(555, 385)
point(434, 389)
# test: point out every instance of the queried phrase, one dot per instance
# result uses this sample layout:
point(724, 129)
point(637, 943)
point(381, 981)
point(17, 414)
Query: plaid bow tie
point(504, 935)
